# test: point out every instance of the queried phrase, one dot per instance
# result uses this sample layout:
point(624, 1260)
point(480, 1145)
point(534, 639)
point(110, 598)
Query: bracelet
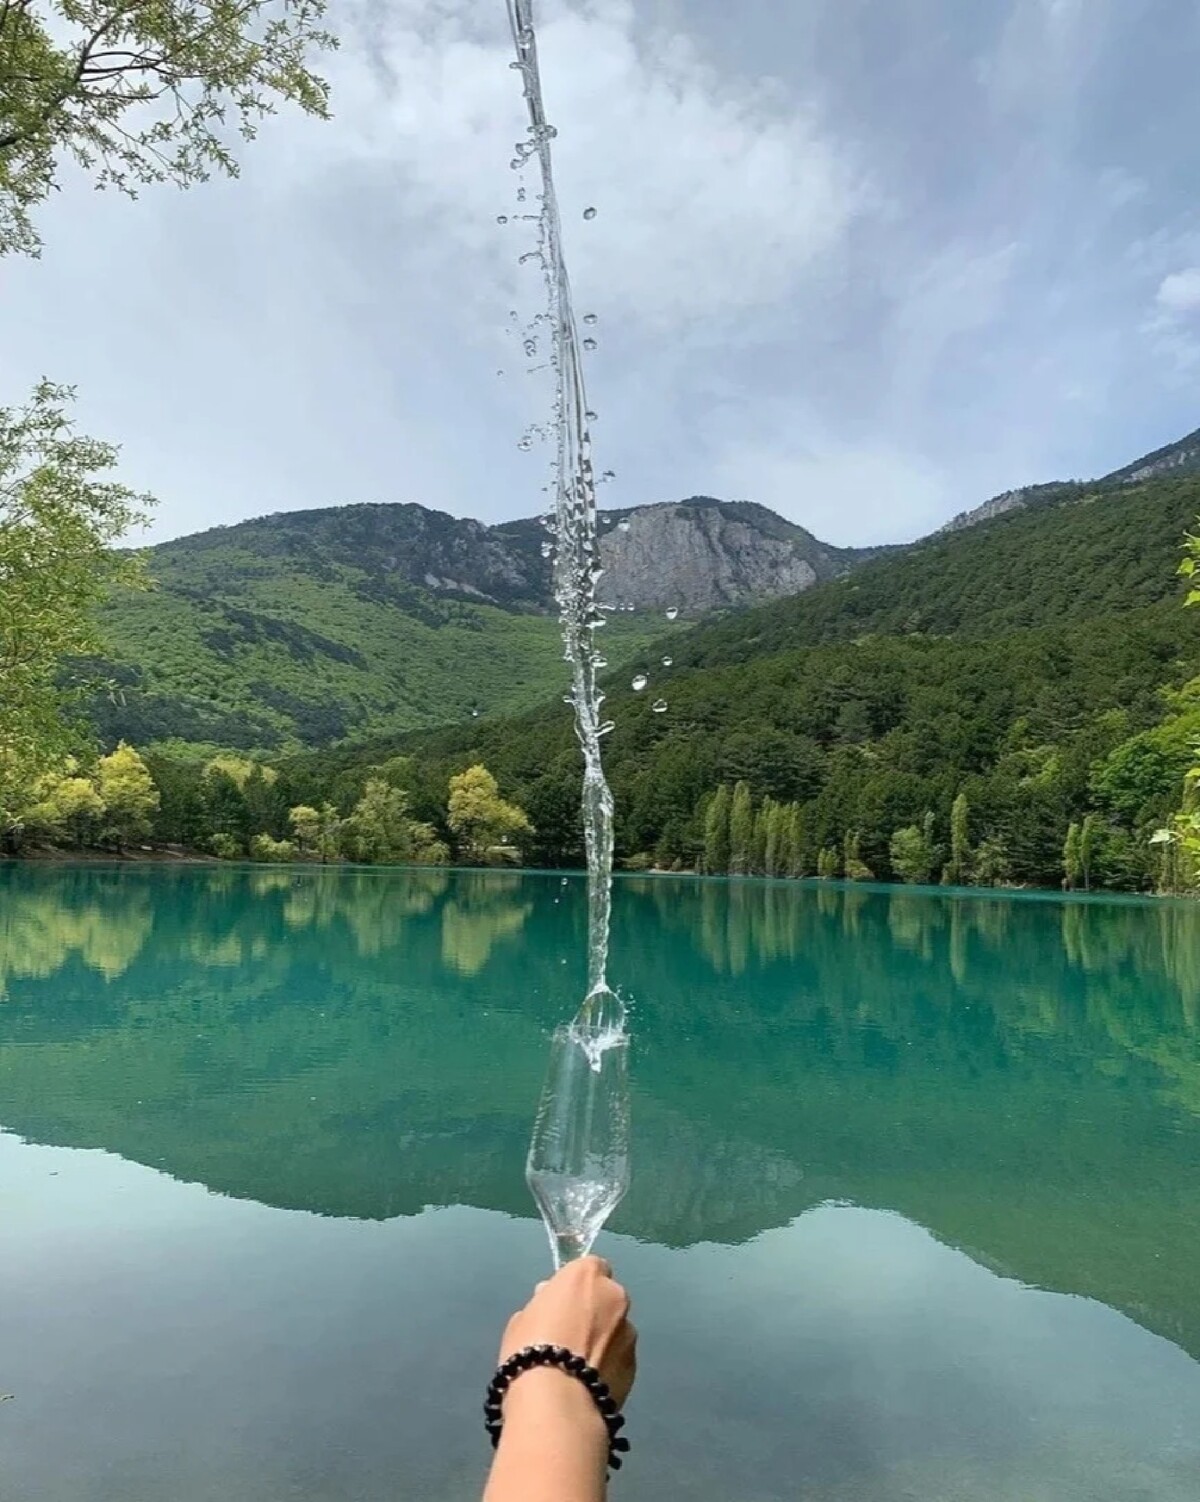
point(574, 1366)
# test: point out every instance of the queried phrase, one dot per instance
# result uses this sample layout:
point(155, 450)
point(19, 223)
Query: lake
point(915, 1214)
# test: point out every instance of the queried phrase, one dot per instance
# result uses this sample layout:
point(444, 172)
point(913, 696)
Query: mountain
point(308, 627)
point(1182, 457)
point(1039, 663)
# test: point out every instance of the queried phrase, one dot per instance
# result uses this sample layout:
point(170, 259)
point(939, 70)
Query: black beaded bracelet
point(574, 1366)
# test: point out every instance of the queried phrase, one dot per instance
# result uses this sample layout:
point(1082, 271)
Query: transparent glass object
point(578, 1165)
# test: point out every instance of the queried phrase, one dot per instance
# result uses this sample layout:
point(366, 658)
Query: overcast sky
point(865, 261)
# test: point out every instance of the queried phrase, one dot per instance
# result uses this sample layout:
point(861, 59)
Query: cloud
point(1179, 294)
point(714, 195)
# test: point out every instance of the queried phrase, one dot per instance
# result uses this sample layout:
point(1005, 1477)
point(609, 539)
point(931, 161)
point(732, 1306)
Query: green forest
point(1017, 703)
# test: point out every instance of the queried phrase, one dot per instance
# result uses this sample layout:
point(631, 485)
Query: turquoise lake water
point(915, 1213)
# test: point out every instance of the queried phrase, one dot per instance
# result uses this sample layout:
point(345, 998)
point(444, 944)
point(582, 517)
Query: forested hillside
point(311, 627)
point(1039, 666)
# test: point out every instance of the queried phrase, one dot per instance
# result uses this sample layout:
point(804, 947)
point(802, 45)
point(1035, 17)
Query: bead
point(524, 1360)
point(575, 1364)
point(620, 1444)
point(614, 1462)
point(607, 1406)
point(616, 1423)
point(560, 1355)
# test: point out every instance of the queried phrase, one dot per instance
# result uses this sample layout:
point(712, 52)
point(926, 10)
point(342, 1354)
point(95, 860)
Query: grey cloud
point(866, 264)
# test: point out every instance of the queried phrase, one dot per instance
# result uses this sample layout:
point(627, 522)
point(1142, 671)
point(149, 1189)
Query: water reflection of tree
point(486, 907)
point(44, 924)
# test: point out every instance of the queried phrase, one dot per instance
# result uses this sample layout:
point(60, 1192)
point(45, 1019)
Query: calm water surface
point(915, 1216)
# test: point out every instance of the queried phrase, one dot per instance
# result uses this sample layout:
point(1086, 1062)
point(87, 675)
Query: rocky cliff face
point(696, 555)
point(702, 554)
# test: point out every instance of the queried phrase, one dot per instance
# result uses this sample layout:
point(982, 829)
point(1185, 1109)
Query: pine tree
point(741, 830)
point(1072, 859)
point(1089, 848)
point(758, 850)
point(856, 868)
point(828, 864)
point(777, 821)
point(716, 833)
point(958, 869)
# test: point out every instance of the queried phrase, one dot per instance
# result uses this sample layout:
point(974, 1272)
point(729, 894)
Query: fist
point(583, 1308)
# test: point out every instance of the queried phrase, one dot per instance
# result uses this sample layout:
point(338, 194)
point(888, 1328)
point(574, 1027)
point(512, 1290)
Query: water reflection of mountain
point(1021, 1077)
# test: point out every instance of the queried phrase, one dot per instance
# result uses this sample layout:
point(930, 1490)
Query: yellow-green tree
point(484, 824)
point(66, 806)
point(128, 794)
point(59, 517)
point(142, 91)
point(380, 831)
point(306, 827)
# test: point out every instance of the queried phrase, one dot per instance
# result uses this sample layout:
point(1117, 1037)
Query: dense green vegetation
point(1039, 667)
point(303, 630)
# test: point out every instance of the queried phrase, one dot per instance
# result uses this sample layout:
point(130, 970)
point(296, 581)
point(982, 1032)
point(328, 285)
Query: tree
point(1090, 837)
point(716, 833)
point(777, 819)
point(317, 831)
point(128, 794)
point(855, 867)
point(264, 848)
point(58, 521)
point(992, 866)
point(741, 830)
point(913, 853)
point(958, 868)
point(1072, 860)
point(828, 864)
point(483, 821)
point(225, 814)
point(66, 804)
point(305, 824)
point(758, 848)
point(379, 831)
point(142, 91)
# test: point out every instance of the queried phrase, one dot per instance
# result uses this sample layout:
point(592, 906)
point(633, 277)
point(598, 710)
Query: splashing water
point(577, 553)
point(578, 1163)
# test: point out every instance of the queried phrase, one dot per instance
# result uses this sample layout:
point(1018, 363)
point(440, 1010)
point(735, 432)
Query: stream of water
point(578, 1163)
point(576, 549)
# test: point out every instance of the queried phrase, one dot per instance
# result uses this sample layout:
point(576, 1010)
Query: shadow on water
point(1022, 1079)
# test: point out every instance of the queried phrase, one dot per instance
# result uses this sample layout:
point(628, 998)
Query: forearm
point(554, 1445)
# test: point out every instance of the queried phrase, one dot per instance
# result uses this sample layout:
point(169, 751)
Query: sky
point(867, 264)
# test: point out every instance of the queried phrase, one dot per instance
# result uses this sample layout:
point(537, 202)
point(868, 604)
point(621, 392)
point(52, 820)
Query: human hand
point(583, 1308)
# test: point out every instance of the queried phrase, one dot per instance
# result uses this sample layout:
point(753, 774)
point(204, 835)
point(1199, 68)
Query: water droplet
point(600, 662)
point(639, 683)
point(530, 348)
point(672, 612)
point(589, 213)
point(589, 318)
point(624, 526)
point(609, 474)
point(631, 607)
point(591, 416)
point(589, 345)
point(563, 882)
point(547, 550)
point(667, 661)
point(525, 444)
point(475, 713)
point(520, 195)
point(501, 218)
point(659, 706)
point(499, 372)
